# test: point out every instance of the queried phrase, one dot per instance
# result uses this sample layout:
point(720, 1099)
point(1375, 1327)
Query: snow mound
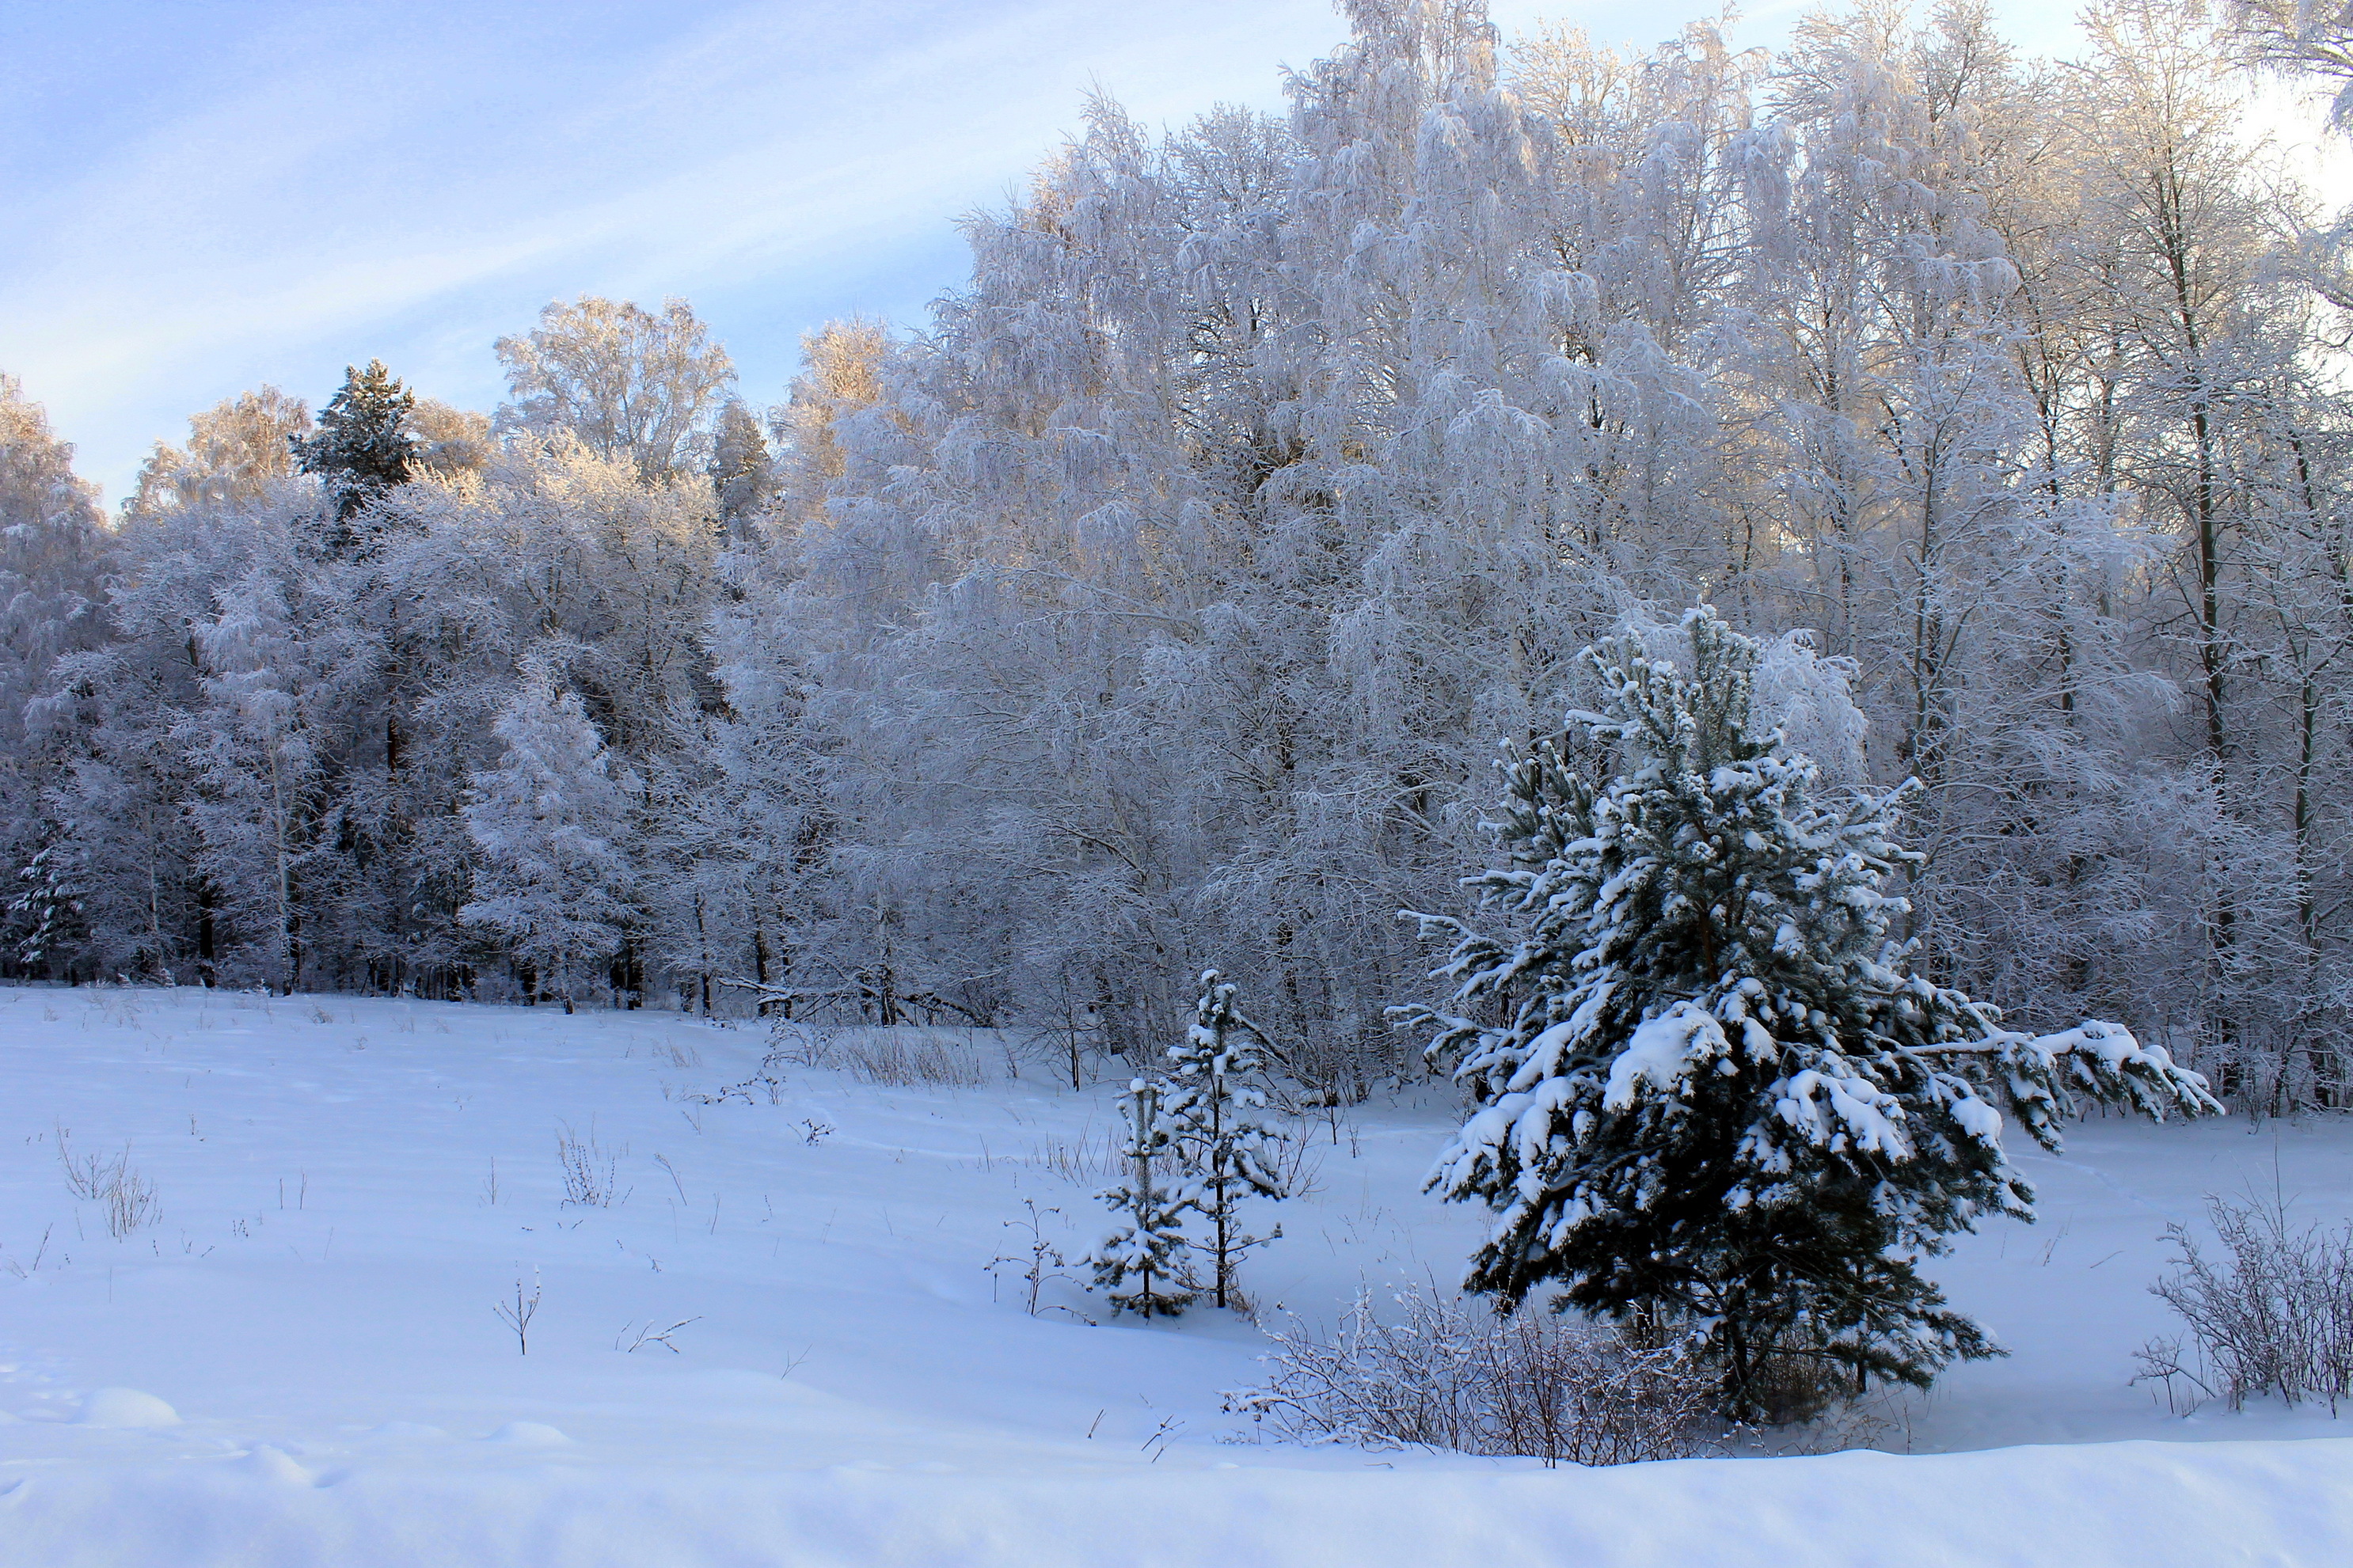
point(528, 1435)
point(407, 1431)
point(2123, 1505)
point(274, 1464)
point(126, 1407)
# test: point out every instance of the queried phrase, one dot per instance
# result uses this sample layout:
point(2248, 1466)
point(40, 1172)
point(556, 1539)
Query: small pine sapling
point(1142, 1264)
point(1214, 1116)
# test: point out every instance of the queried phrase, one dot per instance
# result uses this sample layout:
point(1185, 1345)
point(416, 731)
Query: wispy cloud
point(203, 198)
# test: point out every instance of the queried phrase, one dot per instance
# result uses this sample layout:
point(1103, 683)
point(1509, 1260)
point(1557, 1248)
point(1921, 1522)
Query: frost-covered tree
point(450, 442)
point(1710, 1092)
point(1164, 595)
point(235, 449)
point(630, 384)
point(259, 804)
point(53, 557)
point(2298, 38)
point(1144, 1265)
point(1215, 1110)
point(740, 469)
point(551, 821)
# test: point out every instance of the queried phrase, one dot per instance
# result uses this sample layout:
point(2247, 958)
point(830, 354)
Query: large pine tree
point(363, 448)
point(1709, 1096)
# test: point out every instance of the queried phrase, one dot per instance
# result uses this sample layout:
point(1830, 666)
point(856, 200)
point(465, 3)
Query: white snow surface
point(296, 1360)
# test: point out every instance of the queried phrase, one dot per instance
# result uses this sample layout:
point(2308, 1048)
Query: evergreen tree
point(47, 913)
point(556, 880)
point(1213, 1115)
point(363, 448)
point(1142, 1264)
point(1708, 1092)
point(742, 471)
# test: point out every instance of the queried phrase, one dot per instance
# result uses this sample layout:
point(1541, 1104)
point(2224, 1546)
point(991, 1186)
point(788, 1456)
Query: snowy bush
point(2273, 1315)
point(1442, 1374)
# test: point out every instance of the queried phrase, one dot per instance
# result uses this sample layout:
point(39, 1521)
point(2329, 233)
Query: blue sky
point(204, 196)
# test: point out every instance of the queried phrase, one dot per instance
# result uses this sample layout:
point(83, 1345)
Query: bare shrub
point(892, 1058)
point(129, 1198)
point(799, 1045)
point(130, 1201)
point(2273, 1315)
point(767, 1079)
point(591, 1171)
point(1037, 1261)
point(1446, 1375)
point(1298, 1168)
point(85, 1174)
point(1085, 1161)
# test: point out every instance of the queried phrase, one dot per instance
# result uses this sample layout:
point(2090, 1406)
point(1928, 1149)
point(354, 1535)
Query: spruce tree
point(740, 469)
point(1710, 1097)
point(1213, 1112)
point(363, 446)
point(46, 920)
point(1142, 1265)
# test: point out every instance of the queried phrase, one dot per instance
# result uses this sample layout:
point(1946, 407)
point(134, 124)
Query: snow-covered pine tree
point(554, 880)
point(741, 470)
point(1709, 1095)
point(45, 914)
point(363, 448)
point(1142, 1264)
point(1213, 1114)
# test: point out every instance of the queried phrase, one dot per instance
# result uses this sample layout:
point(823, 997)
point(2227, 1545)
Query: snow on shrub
point(2275, 1315)
point(1440, 1373)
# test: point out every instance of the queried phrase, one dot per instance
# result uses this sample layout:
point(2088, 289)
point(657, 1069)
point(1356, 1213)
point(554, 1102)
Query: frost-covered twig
point(648, 1335)
point(518, 1314)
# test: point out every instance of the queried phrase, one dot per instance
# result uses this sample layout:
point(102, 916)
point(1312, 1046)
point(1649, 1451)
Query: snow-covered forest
point(1732, 646)
point(1167, 599)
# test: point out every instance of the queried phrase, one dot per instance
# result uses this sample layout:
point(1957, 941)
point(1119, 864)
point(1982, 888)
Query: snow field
point(294, 1358)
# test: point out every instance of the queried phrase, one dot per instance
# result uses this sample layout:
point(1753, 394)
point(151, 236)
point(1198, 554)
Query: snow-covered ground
point(344, 1189)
